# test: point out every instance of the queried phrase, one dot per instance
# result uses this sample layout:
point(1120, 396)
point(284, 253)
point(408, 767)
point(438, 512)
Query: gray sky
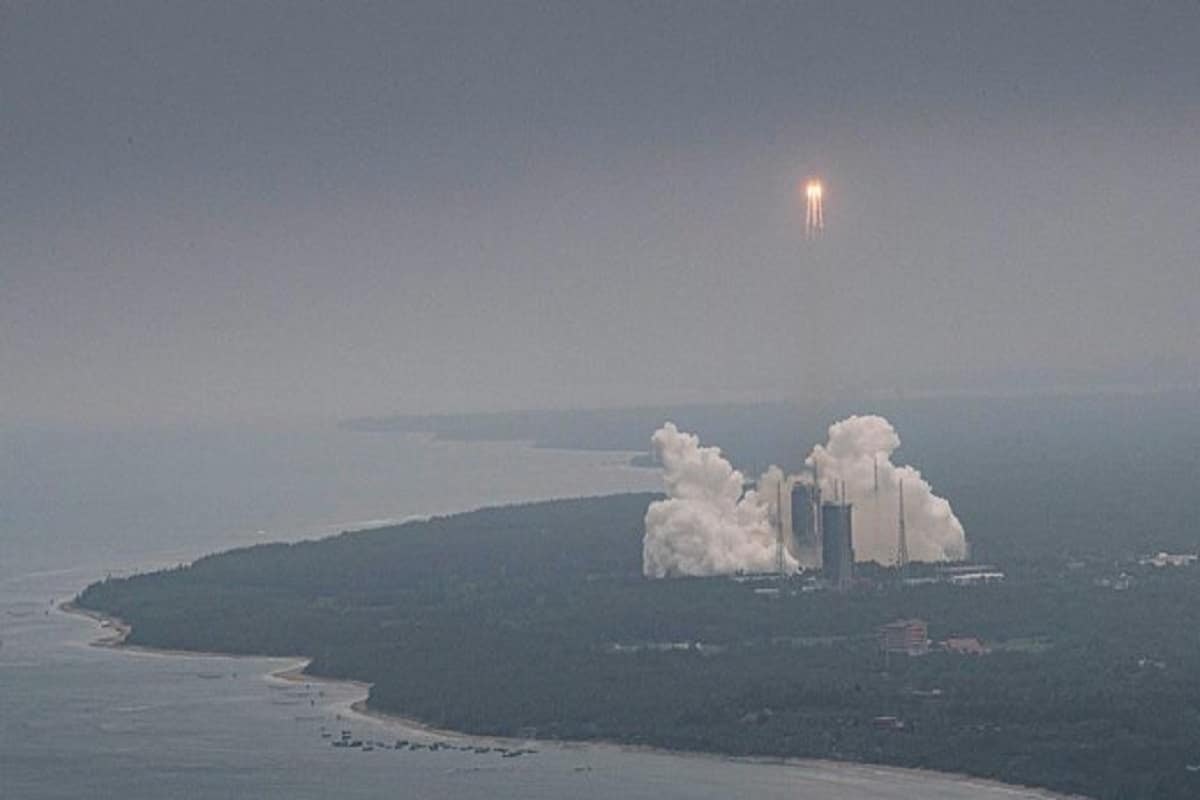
point(237, 211)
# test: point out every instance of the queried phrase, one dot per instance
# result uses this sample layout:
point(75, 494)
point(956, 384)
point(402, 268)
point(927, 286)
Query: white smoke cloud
point(707, 525)
point(773, 486)
point(774, 490)
point(856, 445)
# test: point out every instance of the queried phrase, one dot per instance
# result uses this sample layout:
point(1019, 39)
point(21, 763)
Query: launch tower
point(837, 543)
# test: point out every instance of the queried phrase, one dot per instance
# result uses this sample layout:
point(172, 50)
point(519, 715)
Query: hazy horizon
point(279, 210)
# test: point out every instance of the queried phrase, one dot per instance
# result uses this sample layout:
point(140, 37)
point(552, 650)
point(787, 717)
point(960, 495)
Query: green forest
point(534, 620)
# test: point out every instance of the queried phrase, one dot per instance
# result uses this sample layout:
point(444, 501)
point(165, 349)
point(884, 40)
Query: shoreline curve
point(295, 672)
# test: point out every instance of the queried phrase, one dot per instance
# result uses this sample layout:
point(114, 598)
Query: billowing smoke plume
point(859, 448)
point(707, 525)
point(774, 490)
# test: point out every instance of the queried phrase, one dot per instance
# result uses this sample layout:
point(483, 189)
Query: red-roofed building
point(908, 637)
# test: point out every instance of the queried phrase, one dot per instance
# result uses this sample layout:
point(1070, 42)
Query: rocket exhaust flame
point(814, 216)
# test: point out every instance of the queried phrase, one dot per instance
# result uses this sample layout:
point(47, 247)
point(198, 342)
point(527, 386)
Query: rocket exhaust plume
point(708, 525)
point(814, 208)
point(859, 448)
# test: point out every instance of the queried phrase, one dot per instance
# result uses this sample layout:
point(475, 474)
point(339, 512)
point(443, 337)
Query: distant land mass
point(754, 435)
point(1030, 476)
point(1080, 673)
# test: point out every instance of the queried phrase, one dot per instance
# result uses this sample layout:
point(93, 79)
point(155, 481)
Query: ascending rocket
point(814, 218)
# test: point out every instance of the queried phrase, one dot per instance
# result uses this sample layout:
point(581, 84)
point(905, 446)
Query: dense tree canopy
point(535, 619)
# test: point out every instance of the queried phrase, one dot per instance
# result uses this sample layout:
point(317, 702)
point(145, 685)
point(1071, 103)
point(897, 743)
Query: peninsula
point(536, 620)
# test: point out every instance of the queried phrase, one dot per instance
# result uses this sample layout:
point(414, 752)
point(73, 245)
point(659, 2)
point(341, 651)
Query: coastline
point(118, 629)
point(295, 672)
point(409, 724)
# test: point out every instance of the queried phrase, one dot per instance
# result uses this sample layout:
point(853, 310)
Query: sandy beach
point(416, 728)
point(117, 631)
point(410, 726)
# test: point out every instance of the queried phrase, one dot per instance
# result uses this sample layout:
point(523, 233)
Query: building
point(948, 571)
point(837, 544)
point(964, 646)
point(909, 637)
point(977, 578)
point(1168, 560)
point(805, 519)
point(888, 724)
point(804, 516)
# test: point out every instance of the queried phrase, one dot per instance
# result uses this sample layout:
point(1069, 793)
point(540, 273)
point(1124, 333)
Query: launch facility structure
point(715, 522)
point(826, 525)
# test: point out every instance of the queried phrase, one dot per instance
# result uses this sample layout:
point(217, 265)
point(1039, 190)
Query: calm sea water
point(80, 721)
